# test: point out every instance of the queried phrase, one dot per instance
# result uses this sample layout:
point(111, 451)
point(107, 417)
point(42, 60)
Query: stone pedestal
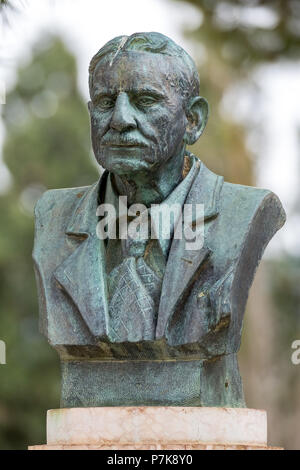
point(154, 428)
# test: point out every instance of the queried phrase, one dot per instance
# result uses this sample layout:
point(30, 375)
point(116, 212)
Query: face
point(137, 114)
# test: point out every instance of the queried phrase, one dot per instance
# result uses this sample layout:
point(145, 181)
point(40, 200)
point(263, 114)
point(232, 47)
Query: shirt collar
point(177, 196)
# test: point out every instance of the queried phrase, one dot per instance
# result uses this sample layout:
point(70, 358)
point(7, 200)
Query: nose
point(123, 115)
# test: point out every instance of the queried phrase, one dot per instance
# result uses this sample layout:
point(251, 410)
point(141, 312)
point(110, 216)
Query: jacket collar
point(183, 263)
point(82, 273)
point(84, 220)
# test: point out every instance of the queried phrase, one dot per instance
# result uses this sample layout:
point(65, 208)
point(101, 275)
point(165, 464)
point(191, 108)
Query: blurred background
point(248, 55)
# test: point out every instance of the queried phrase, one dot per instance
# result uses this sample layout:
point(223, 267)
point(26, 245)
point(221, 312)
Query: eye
point(105, 102)
point(145, 101)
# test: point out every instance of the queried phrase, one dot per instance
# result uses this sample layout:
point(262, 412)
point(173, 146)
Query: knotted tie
point(134, 291)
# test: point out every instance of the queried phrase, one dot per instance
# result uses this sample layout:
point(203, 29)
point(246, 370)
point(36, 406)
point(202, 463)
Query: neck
point(151, 188)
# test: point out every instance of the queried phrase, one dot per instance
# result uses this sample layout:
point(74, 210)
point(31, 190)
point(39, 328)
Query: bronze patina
point(149, 321)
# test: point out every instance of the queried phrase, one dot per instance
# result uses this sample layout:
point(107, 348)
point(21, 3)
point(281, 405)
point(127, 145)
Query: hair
point(187, 79)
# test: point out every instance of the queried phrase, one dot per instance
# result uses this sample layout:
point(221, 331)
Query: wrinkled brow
point(99, 90)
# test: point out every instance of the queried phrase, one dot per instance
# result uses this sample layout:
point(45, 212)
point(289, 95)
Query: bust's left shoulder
point(251, 201)
point(239, 203)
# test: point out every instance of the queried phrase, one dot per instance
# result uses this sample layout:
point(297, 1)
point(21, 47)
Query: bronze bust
point(151, 320)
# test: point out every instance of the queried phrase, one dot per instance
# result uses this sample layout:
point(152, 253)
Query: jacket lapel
point(183, 264)
point(82, 274)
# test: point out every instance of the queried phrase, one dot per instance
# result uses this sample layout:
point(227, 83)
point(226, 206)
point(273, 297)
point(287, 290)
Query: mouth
point(127, 145)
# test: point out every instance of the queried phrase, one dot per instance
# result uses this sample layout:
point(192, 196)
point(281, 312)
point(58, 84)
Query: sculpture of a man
point(149, 321)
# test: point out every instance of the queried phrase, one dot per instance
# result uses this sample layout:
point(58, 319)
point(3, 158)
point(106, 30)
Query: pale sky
point(86, 25)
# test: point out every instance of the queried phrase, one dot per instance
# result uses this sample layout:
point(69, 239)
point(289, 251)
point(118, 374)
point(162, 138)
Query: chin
point(122, 165)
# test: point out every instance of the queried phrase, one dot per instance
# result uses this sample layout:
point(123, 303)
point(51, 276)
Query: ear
point(197, 115)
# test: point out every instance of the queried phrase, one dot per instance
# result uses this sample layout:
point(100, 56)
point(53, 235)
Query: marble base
point(154, 428)
point(154, 447)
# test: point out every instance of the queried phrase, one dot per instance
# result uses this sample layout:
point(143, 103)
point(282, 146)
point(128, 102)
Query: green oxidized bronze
point(149, 321)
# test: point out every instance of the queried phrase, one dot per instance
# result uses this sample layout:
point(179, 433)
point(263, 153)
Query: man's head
point(144, 102)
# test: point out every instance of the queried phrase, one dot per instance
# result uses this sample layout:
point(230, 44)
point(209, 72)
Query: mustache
point(129, 139)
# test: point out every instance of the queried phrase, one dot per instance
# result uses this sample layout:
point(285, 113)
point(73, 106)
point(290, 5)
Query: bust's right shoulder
point(59, 200)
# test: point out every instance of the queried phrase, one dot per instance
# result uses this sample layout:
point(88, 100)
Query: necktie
point(134, 289)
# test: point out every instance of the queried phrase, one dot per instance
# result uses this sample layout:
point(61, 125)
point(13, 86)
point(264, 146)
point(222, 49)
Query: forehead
point(136, 70)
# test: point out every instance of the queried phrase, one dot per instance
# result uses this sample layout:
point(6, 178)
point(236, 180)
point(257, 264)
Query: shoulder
point(250, 201)
point(238, 203)
point(59, 200)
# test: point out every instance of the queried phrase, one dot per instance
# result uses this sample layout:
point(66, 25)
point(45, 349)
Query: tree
point(235, 36)
point(47, 145)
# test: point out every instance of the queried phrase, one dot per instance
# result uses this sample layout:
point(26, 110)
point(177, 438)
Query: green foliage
point(246, 32)
point(47, 146)
point(236, 36)
point(286, 295)
point(284, 288)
